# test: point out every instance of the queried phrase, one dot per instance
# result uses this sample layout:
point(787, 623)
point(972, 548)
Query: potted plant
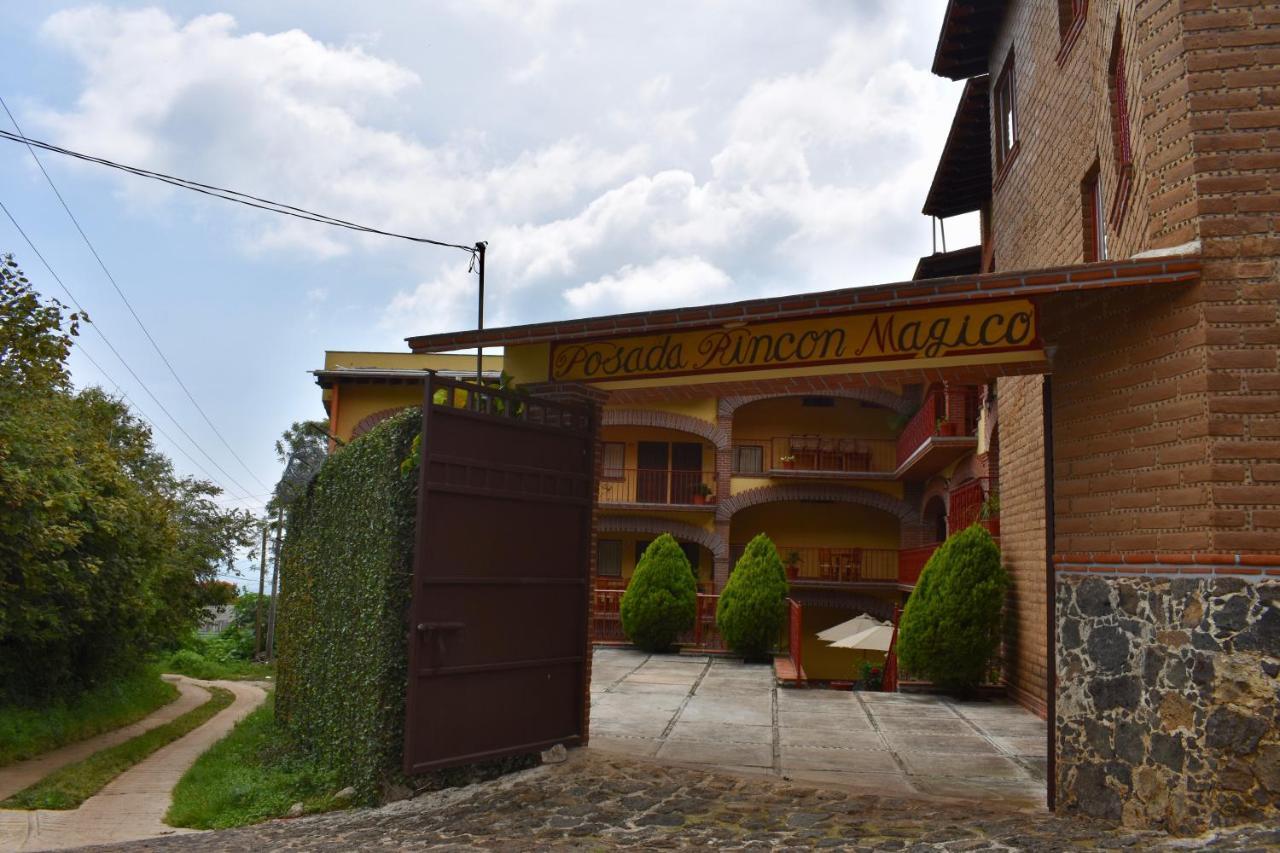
point(793, 565)
point(788, 461)
point(989, 513)
point(702, 494)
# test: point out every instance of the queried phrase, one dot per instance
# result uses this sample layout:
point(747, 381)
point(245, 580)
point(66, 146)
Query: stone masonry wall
point(1168, 710)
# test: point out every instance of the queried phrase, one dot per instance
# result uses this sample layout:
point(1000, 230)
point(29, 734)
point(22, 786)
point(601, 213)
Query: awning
point(968, 32)
point(962, 181)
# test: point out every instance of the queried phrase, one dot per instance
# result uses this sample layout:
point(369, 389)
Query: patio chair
point(829, 457)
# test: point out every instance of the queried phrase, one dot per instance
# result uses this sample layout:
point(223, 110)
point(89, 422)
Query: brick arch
point(708, 539)
point(667, 420)
point(368, 422)
point(937, 487)
point(906, 513)
point(876, 396)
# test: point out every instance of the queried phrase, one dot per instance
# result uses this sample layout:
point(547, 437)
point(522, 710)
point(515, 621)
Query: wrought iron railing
point(648, 486)
point(819, 453)
point(974, 502)
point(911, 563)
point(606, 622)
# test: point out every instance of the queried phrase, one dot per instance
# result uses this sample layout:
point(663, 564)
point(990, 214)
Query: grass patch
point(195, 665)
point(29, 731)
point(253, 774)
point(70, 786)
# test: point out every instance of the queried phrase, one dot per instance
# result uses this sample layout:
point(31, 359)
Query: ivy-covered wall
point(346, 573)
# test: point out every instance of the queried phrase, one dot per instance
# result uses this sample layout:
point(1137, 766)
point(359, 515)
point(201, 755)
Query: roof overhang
point(962, 181)
point(968, 30)
point(1169, 269)
point(388, 376)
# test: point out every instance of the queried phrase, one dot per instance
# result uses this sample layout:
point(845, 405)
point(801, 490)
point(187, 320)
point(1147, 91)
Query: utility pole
point(480, 247)
point(262, 580)
point(275, 581)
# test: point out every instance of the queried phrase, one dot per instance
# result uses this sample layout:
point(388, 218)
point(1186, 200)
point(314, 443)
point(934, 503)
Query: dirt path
point(133, 805)
point(22, 774)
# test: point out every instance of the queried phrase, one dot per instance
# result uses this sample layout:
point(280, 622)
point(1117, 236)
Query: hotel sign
point(930, 334)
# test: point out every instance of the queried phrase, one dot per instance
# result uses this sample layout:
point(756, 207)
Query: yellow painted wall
point(815, 525)
point(784, 416)
point(527, 363)
point(697, 517)
point(355, 402)
point(629, 541)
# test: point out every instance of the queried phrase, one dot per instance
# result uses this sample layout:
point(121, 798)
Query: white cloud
point(639, 181)
point(670, 282)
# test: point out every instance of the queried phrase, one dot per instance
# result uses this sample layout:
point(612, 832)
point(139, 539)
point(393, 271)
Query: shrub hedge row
point(346, 573)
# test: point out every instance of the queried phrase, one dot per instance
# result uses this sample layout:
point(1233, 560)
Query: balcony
point(606, 622)
point(838, 566)
point(911, 563)
point(809, 456)
point(975, 502)
point(657, 488)
point(943, 431)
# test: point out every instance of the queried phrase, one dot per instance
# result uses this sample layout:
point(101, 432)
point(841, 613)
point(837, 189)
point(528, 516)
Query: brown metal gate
point(499, 618)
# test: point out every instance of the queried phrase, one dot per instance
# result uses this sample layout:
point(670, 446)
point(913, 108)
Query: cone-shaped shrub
point(662, 598)
point(951, 625)
point(753, 605)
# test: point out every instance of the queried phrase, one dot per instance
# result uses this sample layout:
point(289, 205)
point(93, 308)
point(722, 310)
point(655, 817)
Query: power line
point(129, 305)
point(117, 354)
point(227, 194)
point(229, 495)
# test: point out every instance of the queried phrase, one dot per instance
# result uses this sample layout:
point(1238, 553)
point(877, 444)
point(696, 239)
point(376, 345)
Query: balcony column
point(724, 479)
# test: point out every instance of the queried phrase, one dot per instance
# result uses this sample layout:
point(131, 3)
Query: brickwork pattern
point(667, 420)
point(906, 512)
point(712, 541)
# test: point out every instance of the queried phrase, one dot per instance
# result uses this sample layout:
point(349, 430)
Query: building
point(1105, 362)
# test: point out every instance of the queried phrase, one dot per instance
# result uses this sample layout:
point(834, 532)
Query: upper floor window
point(615, 455)
point(1071, 14)
point(1091, 215)
point(1118, 90)
point(1006, 115)
point(609, 558)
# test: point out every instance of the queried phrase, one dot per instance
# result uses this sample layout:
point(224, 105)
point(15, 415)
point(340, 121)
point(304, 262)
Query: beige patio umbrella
point(856, 625)
point(874, 639)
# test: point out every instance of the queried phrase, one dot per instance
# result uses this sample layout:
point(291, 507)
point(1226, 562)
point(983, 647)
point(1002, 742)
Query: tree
point(302, 449)
point(33, 343)
point(102, 547)
point(951, 626)
point(662, 598)
point(753, 605)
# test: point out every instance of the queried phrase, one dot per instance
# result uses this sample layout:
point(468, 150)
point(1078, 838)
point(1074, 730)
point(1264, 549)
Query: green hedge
point(753, 605)
point(662, 598)
point(346, 574)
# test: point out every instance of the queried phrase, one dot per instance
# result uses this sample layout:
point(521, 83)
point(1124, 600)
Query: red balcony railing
point(839, 565)
point(795, 637)
point(922, 426)
point(646, 486)
point(821, 453)
point(911, 562)
point(974, 502)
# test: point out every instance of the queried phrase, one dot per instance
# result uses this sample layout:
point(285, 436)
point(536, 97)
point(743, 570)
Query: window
point(1071, 14)
point(609, 558)
point(748, 458)
point(1118, 90)
point(615, 457)
point(1092, 218)
point(1006, 115)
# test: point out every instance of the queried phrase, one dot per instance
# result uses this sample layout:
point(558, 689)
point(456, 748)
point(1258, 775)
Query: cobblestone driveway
point(597, 801)
point(721, 713)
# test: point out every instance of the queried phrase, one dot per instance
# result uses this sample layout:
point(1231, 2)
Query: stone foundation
point(1168, 700)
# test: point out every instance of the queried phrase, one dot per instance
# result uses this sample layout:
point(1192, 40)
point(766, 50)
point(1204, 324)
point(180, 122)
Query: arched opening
point(935, 519)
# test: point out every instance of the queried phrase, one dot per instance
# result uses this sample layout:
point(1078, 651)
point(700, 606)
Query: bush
point(753, 604)
point(951, 626)
point(662, 598)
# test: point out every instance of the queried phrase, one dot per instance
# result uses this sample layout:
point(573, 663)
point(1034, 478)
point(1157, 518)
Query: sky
point(617, 156)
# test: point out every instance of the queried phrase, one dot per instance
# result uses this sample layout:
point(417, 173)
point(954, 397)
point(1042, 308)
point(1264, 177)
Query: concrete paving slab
point(720, 733)
point(948, 744)
point(831, 738)
point(845, 760)
point(924, 725)
point(852, 721)
point(886, 709)
point(716, 709)
point(1023, 745)
point(637, 747)
point(630, 687)
point(1017, 795)
point(975, 767)
point(644, 677)
point(719, 754)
